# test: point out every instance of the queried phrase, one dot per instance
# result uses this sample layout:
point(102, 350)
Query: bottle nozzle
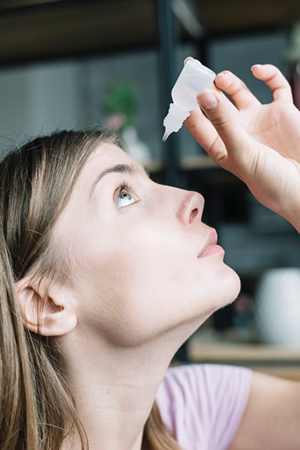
point(174, 119)
point(166, 135)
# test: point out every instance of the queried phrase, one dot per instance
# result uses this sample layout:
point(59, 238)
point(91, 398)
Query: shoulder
point(184, 381)
point(272, 415)
point(196, 399)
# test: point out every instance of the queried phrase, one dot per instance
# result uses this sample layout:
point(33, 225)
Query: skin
point(136, 291)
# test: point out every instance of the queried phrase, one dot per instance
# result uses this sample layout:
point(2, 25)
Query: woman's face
point(134, 249)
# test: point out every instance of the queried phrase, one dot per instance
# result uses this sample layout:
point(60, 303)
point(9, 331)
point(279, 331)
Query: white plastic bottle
point(193, 79)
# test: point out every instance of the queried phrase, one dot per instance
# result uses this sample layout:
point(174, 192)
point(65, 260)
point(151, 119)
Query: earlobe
point(44, 315)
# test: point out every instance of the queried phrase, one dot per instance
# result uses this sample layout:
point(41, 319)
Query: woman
point(104, 274)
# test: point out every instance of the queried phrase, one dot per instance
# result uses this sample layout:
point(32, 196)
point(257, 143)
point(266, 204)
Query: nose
point(191, 208)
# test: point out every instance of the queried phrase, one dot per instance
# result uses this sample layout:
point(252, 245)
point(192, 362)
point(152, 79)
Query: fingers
point(223, 116)
point(236, 89)
point(206, 135)
point(201, 128)
point(275, 80)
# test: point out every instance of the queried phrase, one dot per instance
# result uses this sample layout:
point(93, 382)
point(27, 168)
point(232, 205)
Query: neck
point(114, 388)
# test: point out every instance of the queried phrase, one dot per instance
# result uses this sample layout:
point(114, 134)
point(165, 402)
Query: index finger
point(202, 129)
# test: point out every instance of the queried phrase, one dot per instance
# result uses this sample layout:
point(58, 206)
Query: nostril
point(189, 210)
point(193, 214)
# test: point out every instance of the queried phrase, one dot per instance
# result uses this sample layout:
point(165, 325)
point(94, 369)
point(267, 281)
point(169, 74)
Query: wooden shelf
point(43, 29)
point(242, 352)
point(191, 163)
point(198, 162)
point(278, 361)
point(63, 29)
point(231, 16)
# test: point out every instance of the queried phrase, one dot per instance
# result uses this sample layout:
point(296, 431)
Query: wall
point(41, 98)
point(36, 99)
point(239, 54)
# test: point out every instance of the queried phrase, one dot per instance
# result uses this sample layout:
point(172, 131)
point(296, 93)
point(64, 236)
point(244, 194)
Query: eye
point(124, 197)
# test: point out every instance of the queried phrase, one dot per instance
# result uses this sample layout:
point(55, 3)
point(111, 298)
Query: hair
point(37, 410)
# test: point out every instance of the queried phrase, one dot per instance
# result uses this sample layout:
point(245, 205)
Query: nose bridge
point(191, 208)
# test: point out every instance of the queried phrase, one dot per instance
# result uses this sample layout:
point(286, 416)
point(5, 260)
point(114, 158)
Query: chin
point(226, 287)
point(232, 285)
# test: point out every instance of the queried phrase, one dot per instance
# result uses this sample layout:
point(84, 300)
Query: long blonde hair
point(37, 410)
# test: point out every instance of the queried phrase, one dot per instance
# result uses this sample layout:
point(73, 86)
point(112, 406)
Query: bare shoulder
point(271, 418)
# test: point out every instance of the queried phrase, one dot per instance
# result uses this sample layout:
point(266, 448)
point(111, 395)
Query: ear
point(48, 315)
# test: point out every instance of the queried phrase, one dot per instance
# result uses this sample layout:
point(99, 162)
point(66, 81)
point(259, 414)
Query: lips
point(212, 239)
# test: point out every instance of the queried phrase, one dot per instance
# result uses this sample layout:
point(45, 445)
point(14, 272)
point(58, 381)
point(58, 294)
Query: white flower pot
point(277, 307)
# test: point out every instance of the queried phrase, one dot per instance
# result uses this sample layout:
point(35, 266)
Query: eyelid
point(124, 186)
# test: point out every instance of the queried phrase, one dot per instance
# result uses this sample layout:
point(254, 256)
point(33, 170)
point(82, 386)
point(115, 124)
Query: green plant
point(122, 99)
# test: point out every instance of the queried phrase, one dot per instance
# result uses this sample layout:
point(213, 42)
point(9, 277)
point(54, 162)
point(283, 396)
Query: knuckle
point(279, 81)
point(272, 70)
point(271, 66)
point(272, 76)
point(237, 87)
point(217, 152)
point(222, 122)
point(274, 73)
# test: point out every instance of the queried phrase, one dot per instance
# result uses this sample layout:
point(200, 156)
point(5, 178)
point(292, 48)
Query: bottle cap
point(174, 120)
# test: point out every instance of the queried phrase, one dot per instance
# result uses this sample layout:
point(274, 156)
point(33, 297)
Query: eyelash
point(127, 188)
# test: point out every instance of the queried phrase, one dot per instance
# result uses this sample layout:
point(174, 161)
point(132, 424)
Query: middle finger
point(236, 89)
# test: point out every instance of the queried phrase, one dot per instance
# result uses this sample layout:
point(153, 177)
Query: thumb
point(224, 117)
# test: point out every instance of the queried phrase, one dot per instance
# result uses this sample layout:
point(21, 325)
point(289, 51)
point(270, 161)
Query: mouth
point(210, 247)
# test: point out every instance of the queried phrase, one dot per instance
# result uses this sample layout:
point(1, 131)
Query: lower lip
point(212, 250)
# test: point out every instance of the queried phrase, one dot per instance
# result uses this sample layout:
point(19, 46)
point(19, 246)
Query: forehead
point(102, 160)
point(106, 155)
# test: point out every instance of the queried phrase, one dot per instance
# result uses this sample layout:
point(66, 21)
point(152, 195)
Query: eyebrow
point(118, 168)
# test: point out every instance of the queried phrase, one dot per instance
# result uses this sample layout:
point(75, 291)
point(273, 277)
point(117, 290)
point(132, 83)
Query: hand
point(258, 143)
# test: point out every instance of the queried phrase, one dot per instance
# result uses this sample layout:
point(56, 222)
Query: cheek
point(128, 284)
point(139, 285)
point(163, 286)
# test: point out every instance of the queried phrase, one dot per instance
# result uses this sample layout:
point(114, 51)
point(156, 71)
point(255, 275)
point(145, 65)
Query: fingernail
point(256, 65)
point(221, 74)
point(207, 100)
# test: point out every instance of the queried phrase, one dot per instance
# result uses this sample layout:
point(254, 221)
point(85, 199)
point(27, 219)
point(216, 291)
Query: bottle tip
point(166, 135)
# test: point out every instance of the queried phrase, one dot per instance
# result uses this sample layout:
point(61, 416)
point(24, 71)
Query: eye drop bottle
point(193, 79)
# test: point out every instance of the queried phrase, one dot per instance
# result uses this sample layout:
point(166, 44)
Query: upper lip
point(212, 239)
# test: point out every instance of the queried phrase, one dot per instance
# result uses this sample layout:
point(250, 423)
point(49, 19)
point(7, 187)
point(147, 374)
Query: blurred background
point(78, 64)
